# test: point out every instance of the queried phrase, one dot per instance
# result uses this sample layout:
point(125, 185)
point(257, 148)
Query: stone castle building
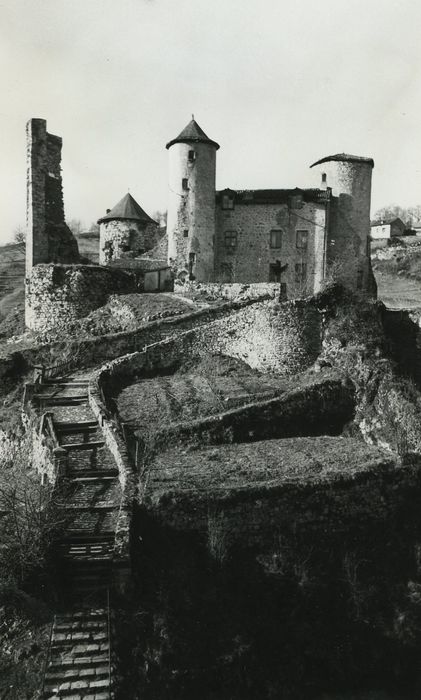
point(297, 237)
point(125, 230)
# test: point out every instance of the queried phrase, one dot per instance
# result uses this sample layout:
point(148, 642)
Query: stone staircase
point(79, 658)
point(78, 665)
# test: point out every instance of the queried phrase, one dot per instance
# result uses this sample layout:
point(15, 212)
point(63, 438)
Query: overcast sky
point(278, 84)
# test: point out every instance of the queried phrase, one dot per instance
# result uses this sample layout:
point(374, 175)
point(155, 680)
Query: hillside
point(398, 274)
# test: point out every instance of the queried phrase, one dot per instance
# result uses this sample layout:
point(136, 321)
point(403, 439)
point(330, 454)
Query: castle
point(295, 238)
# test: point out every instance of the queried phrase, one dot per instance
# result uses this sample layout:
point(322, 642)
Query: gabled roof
point(273, 196)
point(127, 208)
point(192, 133)
point(387, 222)
point(345, 158)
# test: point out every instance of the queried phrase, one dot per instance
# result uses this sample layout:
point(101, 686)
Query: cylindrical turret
point(191, 205)
point(348, 235)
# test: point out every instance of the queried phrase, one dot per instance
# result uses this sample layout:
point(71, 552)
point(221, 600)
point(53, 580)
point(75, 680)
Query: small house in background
point(125, 231)
point(387, 228)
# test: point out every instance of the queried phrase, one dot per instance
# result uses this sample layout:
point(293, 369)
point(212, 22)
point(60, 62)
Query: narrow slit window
point(192, 156)
point(230, 240)
point(276, 238)
point(302, 240)
point(185, 183)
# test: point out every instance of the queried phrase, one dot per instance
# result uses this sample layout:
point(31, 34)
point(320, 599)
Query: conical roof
point(192, 133)
point(127, 208)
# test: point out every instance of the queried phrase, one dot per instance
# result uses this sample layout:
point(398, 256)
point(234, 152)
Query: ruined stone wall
point(48, 238)
point(89, 352)
point(118, 238)
point(250, 259)
point(57, 294)
point(285, 338)
point(235, 290)
point(260, 516)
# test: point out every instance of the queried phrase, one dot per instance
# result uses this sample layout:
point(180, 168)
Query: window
point(230, 240)
point(324, 177)
point(185, 183)
point(191, 156)
point(227, 201)
point(186, 232)
point(276, 238)
point(300, 273)
point(192, 261)
point(302, 239)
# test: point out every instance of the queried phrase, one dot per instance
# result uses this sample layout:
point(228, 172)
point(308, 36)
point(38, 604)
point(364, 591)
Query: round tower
point(125, 231)
point(348, 226)
point(191, 204)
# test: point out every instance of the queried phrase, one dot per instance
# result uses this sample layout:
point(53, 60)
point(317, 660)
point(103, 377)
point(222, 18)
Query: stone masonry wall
point(57, 294)
point(293, 345)
point(48, 238)
point(118, 239)
point(91, 352)
point(250, 259)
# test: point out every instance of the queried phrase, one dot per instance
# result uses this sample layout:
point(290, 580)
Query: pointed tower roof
point(192, 133)
point(127, 208)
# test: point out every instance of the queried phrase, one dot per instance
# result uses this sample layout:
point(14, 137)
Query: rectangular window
point(227, 202)
point(185, 183)
point(276, 238)
point(300, 273)
point(191, 156)
point(186, 232)
point(302, 239)
point(230, 240)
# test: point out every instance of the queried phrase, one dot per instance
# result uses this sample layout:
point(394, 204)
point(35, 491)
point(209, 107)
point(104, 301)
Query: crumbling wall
point(48, 237)
point(121, 238)
point(57, 294)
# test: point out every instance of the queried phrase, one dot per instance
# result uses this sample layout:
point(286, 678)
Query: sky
point(277, 84)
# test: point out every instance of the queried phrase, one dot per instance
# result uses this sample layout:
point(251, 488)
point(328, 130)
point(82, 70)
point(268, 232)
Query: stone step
point(67, 383)
point(76, 474)
point(72, 637)
point(91, 550)
point(93, 445)
point(65, 626)
point(76, 427)
point(81, 687)
point(67, 662)
point(78, 649)
point(75, 673)
point(50, 400)
point(86, 538)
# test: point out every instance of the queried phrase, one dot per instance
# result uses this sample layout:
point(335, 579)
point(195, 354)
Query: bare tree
point(76, 226)
point(19, 234)
point(28, 518)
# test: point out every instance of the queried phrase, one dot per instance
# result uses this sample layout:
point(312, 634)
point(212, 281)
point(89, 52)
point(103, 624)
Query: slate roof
point(273, 196)
point(127, 208)
point(344, 158)
point(386, 222)
point(192, 133)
